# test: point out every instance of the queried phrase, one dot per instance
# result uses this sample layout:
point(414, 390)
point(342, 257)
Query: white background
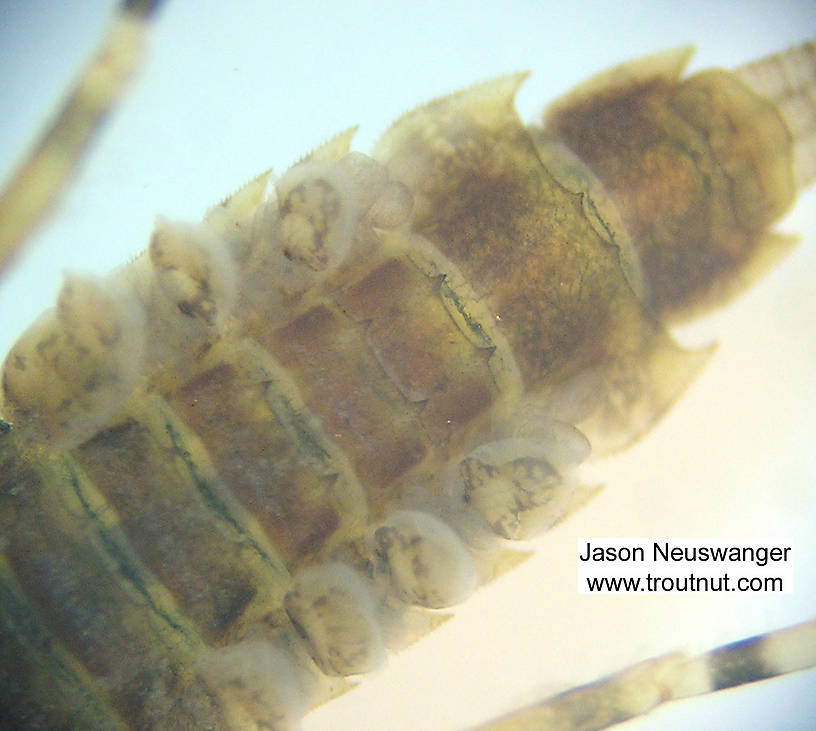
point(232, 88)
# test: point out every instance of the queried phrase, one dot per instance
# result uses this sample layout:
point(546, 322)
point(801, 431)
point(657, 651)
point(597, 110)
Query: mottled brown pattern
point(257, 460)
point(360, 408)
point(420, 347)
point(699, 170)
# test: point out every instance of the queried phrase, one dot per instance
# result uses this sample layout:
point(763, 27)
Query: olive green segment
point(426, 355)
point(90, 596)
point(150, 470)
point(699, 170)
point(271, 453)
point(329, 358)
point(41, 686)
point(530, 248)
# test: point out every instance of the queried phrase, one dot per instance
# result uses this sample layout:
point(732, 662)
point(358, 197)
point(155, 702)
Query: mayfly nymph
point(266, 452)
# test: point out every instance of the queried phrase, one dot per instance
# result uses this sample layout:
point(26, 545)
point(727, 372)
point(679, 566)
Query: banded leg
point(638, 690)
